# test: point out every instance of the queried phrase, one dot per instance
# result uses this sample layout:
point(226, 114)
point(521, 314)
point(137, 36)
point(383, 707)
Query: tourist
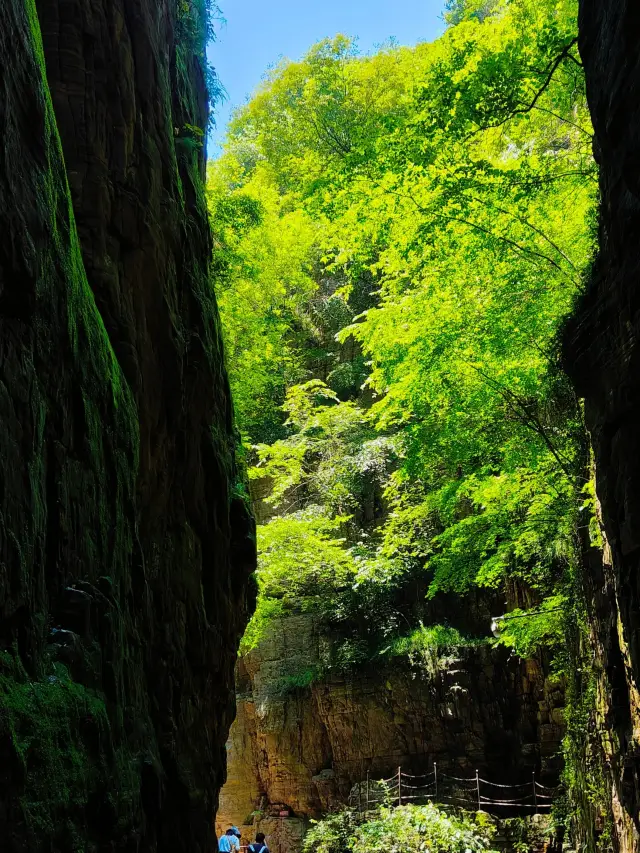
point(258, 845)
point(225, 844)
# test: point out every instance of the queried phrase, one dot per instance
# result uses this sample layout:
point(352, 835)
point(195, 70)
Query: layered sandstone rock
point(125, 541)
point(299, 750)
point(603, 356)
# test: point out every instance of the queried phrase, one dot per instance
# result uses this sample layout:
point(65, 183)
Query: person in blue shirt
point(225, 844)
point(258, 845)
point(234, 838)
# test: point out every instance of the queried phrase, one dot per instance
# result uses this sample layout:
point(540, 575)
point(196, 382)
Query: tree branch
point(530, 225)
point(565, 120)
point(507, 240)
point(522, 411)
point(526, 108)
point(523, 250)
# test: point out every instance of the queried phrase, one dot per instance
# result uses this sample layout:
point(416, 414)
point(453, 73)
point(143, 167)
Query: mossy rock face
point(124, 553)
point(67, 781)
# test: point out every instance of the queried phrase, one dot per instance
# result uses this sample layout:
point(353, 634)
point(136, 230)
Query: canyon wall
point(603, 357)
point(300, 749)
point(126, 543)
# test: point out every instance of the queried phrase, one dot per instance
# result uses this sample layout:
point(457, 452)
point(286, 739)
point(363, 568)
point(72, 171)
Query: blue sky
point(258, 33)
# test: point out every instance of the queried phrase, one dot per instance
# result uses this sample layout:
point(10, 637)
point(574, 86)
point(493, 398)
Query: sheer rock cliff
point(603, 356)
point(299, 750)
point(126, 544)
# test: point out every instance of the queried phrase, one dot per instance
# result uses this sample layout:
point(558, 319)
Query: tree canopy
point(399, 238)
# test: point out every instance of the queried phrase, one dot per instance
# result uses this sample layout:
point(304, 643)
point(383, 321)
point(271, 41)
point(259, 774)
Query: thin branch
point(577, 173)
point(507, 240)
point(345, 148)
point(575, 60)
point(564, 54)
point(529, 225)
point(565, 120)
point(526, 108)
point(523, 250)
point(522, 411)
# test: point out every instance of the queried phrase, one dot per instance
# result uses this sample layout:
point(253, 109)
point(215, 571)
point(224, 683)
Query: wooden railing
point(471, 792)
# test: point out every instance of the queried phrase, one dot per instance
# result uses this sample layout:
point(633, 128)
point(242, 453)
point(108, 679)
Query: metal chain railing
point(472, 792)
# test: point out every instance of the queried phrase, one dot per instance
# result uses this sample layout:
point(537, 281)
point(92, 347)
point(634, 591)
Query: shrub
point(406, 829)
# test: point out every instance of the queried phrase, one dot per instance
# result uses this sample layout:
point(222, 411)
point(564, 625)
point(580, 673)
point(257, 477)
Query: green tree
point(446, 194)
point(264, 259)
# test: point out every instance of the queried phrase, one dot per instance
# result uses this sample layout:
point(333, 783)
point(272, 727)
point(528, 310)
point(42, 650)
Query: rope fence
point(471, 792)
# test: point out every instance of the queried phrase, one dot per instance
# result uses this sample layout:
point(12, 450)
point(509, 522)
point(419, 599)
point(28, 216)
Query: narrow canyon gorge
point(134, 717)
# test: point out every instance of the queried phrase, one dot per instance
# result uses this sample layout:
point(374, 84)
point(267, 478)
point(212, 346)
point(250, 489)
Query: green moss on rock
point(59, 736)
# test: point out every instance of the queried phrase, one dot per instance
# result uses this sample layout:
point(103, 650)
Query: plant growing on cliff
point(196, 22)
point(425, 640)
point(303, 567)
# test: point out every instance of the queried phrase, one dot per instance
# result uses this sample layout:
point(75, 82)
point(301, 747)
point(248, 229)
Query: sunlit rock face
point(603, 356)
point(125, 542)
point(299, 750)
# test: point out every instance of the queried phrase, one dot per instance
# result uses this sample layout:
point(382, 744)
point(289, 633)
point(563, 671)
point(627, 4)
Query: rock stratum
point(126, 543)
point(603, 357)
point(300, 749)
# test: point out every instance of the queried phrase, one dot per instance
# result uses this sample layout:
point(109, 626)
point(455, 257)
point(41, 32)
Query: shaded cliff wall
point(603, 357)
point(303, 748)
point(125, 540)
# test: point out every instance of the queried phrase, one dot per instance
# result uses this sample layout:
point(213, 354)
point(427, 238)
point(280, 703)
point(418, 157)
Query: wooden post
point(435, 776)
point(399, 786)
point(478, 788)
point(535, 796)
point(367, 800)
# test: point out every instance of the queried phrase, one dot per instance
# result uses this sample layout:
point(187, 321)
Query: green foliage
point(429, 648)
point(525, 631)
point(307, 539)
point(333, 834)
point(420, 828)
point(263, 257)
point(407, 828)
point(432, 638)
point(507, 525)
point(298, 680)
point(302, 679)
point(399, 238)
point(332, 455)
point(457, 11)
point(303, 567)
point(267, 610)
